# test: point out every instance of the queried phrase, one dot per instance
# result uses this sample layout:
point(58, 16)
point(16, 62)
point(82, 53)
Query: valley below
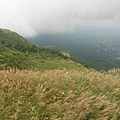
point(97, 47)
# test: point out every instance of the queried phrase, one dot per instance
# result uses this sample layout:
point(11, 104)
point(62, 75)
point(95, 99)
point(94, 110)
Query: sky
point(33, 17)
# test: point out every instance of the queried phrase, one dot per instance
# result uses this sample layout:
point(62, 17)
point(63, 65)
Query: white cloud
point(31, 17)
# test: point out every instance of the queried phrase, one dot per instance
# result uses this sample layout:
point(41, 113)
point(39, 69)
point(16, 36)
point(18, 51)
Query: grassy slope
point(73, 93)
point(59, 95)
point(15, 51)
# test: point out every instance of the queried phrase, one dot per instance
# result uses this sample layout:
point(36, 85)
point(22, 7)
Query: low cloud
point(32, 17)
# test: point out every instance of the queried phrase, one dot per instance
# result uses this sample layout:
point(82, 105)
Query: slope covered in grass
point(59, 95)
point(15, 51)
point(53, 87)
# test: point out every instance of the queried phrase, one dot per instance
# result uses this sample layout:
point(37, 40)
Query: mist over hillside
point(17, 52)
point(96, 46)
point(66, 69)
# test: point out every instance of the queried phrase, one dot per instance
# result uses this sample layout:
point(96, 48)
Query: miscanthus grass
point(59, 95)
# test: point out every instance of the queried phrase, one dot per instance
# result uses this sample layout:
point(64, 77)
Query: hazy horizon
point(30, 18)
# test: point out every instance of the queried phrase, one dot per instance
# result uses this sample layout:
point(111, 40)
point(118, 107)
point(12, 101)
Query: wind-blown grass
point(59, 95)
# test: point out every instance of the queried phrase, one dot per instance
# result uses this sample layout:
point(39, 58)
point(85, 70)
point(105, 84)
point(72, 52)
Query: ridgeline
point(15, 51)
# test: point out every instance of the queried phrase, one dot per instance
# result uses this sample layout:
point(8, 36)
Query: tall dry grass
point(59, 95)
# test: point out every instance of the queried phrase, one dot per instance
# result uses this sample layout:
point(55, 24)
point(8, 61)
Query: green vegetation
point(38, 84)
point(59, 95)
point(17, 52)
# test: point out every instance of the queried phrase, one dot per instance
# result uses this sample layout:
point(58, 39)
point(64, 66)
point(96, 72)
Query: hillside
point(15, 51)
point(38, 84)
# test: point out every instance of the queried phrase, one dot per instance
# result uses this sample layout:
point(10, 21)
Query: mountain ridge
point(18, 52)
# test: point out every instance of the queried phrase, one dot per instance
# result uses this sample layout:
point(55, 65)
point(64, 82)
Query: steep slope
point(15, 51)
point(13, 40)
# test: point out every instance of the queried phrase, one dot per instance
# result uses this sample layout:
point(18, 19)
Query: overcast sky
point(31, 17)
